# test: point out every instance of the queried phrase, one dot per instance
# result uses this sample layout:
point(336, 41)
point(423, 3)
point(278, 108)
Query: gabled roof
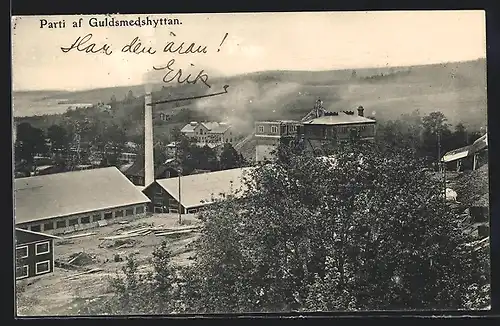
point(340, 119)
point(62, 194)
point(212, 127)
point(198, 189)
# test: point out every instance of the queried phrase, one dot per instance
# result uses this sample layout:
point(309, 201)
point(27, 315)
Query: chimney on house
point(148, 139)
point(361, 111)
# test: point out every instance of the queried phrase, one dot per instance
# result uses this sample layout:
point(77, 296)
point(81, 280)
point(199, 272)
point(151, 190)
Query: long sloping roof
point(63, 194)
point(459, 153)
point(340, 119)
point(198, 189)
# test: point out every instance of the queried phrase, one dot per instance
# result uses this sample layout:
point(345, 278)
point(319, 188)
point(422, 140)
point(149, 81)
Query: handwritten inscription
point(178, 75)
point(85, 44)
point(82, 44)
point(181, 49)
point(136, 47)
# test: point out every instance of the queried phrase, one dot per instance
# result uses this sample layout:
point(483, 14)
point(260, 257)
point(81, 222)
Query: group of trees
point(367, 229)
point(430, 136)
point(70, 143)
point(193, 157)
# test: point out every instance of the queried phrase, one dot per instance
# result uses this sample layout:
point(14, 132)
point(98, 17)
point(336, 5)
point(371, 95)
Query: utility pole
point(179, 171)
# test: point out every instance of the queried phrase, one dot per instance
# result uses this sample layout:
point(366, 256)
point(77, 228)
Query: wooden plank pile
point(157, 231)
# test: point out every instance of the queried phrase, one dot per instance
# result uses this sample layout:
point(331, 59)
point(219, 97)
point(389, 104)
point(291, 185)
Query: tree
point(155, 292)
point(58, 138)
point(29, 142)
point(364, 230)
point(359, 229)
point(435, 133)
point(460, 136)
point(230, 158)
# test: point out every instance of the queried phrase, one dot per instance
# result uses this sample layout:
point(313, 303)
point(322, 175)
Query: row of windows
point(40, 268)
point(40, 249)
point(86, 219)
point(274, 129)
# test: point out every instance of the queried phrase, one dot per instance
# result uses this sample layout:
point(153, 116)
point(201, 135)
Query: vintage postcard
point(250, 163)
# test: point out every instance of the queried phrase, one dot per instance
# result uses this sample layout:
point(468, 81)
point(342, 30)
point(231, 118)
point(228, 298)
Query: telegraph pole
point(179, 171)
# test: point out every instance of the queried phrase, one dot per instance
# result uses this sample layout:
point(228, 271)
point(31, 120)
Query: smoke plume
point(247, 101)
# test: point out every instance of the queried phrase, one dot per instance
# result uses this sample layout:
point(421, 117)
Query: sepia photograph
point(236, 163)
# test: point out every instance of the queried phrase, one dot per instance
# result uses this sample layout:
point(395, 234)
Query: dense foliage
point(364, 228)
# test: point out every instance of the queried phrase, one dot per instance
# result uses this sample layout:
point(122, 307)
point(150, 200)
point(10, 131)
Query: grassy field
point(63, 292)
point(456, 89)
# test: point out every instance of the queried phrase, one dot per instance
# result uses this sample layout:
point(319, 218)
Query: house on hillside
point(71, 201)
point(196, 190)
point(34, 253)
point(474, 155)
point(209, 132)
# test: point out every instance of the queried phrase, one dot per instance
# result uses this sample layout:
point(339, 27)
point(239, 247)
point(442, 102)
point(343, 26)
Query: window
point(22, 272)
point(42, 267)
point(60, 224)
point(96, 217)
point(119, 213)
point(108, 216)
point(261, 129)
point(42, 248)
point(35, 228)
point(129, 212)
point(48, 226)
point(139, 210)
point(22, 252)
point(85, 220)
point(274, 129)
point(73, 221)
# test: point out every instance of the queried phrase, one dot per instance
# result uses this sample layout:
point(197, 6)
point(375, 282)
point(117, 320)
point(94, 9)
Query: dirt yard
point(63, 291)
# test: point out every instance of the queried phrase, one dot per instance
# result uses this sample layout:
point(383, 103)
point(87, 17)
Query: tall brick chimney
point(148, 139)
point(361, 111)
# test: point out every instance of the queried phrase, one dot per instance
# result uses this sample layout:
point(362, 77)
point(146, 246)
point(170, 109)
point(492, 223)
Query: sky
point(254, 42)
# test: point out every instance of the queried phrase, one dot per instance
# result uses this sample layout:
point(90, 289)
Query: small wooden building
point(34, 253)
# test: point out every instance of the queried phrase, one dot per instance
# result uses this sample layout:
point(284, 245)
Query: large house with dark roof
point(196, 190)
point(317, 128)
point(337, 126)
point(71, 201)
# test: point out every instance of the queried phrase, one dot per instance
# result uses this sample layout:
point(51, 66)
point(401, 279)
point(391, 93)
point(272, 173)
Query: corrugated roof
point(199, 188)
point(339, 119)
point(62, 194)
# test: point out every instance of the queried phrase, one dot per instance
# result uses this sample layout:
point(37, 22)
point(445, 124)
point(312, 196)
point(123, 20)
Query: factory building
point(71, 201)
point(196, 191)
